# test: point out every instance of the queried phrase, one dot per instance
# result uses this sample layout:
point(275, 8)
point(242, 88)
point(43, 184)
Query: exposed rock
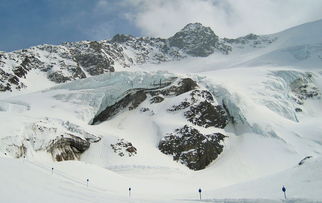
point(191, 148)
point(19, 71)
point(17, 151)
point(13, 80)
point(121, 38)
point(304, 160)
point(206, 115)
point(58, 77)
point(156, 99)
point(181, 106)
point(303, 89)
point(202, 111)
point(298, 110)
point(123, 147)
point(67, 148)
point(147, 110)
point(184, 85)
point(197, 40)
point(133, 99)
point(194, 97)
point(251, 40)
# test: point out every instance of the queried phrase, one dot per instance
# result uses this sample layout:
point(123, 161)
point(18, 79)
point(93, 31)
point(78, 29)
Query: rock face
point(69, 148)
point(197, 40)
point(200, 110)
point(132, 99)
point(191, 148)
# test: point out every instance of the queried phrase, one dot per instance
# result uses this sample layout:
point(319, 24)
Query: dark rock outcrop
point(304, 160)
point(206, 115)
point(132, 100)
point(123, 147)
point(201, 110)
point(191, 148)
point(303, 89)
point(197, 40)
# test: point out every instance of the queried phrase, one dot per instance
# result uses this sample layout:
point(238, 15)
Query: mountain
point(238, 118)
point(76, 60)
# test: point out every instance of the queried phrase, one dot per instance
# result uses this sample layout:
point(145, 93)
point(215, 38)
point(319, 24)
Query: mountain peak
point(197, 40)
point(196, 28)
point(193, 26)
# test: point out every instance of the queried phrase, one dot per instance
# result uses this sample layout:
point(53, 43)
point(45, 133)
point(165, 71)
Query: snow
point(261, 154)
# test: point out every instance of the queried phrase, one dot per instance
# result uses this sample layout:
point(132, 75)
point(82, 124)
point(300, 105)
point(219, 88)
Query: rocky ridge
point(77, 60)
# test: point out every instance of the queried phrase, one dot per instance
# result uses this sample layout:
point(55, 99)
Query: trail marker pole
point(199, 193)
point(87, 180)
point(284, 191)
point(52, 171)
point(130, 192)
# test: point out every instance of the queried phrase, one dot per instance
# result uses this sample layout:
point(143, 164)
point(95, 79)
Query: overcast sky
point(24, 23)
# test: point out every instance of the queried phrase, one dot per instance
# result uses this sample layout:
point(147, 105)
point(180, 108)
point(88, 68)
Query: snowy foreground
point(275, 127)
point(26, 181)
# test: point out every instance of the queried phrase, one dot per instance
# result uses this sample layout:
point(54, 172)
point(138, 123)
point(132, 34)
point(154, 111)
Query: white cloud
point(229, 18)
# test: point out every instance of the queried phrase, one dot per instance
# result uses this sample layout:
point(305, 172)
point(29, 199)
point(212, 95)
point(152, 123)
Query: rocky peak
point(196, 28)
point(121, 38)
point(198, 40)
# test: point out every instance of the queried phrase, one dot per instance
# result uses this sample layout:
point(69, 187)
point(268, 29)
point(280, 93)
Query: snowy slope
point(269, 85)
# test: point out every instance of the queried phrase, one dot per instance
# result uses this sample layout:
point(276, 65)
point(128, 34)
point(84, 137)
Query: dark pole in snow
point(284, 191)
point(87, 180)
point(199, 193)
point(52, 171)
point(130, 191)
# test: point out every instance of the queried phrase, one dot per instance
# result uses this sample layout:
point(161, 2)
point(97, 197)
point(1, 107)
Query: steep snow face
point(308, 33)
point(299, 46)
